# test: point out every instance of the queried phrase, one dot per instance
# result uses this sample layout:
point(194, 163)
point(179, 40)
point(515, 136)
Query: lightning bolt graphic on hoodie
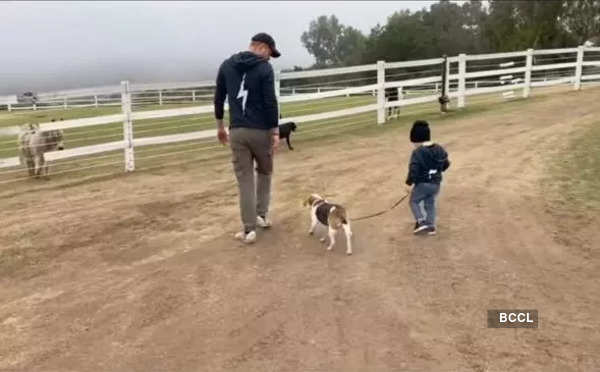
point(248, 82)
point(243, 94)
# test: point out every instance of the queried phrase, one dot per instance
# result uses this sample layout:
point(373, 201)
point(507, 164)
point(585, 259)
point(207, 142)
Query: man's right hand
point(222, 136)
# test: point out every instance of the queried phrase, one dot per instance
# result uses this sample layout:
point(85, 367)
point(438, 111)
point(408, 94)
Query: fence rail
point(416, 87)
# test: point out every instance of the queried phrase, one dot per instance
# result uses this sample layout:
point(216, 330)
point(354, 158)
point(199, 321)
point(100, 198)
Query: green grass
point(91, 135)
point(159, 158)
point(573, 173)
point(166, 158)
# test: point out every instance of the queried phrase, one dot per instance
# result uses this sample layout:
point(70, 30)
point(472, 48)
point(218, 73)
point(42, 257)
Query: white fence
point(468, 75)
point(145, 94)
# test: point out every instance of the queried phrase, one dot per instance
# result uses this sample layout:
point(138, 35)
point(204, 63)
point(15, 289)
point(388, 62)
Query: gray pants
point(425, 194)
point(247, 146)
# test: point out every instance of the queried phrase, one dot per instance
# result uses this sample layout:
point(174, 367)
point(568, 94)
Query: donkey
point(33, 143)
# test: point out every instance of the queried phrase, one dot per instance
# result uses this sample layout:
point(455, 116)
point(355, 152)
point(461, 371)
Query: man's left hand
point(275, 142)
point(222, 136)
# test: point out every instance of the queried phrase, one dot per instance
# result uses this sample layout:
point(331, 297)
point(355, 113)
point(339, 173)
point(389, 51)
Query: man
point(247, 79)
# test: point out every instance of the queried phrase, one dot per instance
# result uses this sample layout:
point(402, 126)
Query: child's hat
point(420, 132)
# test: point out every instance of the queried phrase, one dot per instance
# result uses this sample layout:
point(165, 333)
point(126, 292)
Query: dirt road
point(141, 274)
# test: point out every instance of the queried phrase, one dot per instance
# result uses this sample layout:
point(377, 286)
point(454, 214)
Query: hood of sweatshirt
point(244, 61)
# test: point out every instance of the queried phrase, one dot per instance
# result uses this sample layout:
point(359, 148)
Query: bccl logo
point(512, 318)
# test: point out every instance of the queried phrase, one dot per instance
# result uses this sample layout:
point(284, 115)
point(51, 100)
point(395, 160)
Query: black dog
point(285, 131)
point(391, 95)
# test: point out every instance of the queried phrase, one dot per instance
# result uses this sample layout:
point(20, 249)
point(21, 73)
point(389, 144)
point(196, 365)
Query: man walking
point(248, 82)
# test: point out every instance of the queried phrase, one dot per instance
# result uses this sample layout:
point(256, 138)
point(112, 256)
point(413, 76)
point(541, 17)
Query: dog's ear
point(308, 201)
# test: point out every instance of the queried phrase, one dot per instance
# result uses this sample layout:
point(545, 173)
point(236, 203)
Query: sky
point(62, 45)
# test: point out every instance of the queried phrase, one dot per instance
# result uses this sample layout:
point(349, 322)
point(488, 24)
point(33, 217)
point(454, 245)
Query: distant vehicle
point(27, 97)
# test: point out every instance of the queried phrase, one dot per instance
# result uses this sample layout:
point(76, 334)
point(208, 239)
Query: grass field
point(156, 156)
point(91, 135)
point(576, 169)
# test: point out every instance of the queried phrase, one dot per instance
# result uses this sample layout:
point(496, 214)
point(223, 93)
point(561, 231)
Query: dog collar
point(318, 202)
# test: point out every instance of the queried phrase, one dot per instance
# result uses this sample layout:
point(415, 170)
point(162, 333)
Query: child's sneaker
point(247, 238)
point(263, 221)
point(420, 227)
point(431, 230)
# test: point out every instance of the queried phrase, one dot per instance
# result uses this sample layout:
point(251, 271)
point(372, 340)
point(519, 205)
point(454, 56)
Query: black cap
point(267, 39)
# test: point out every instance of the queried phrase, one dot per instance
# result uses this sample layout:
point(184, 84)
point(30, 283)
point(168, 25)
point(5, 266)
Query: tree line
point(449, 28)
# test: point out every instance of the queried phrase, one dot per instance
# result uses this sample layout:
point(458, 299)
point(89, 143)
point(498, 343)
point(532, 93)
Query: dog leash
point(382, 212)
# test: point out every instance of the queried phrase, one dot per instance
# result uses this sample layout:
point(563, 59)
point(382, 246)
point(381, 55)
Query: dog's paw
point(330, 247)
point(310, 232)
point(322, 240)
point(349, 253)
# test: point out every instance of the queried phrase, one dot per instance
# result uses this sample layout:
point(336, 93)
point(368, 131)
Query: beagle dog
point(331, 215)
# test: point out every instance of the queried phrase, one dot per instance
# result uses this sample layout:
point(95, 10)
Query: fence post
point(193, 95)
point(446, 89)
point(579, 67)
point(528, 67)
point(9, 107)
point(160, 97)
point(400, 98)
point(127, 126)
point(462, 70)
point(65, 103)
point(444, 100)
point(34, 107)
point(278, 90)
point(95, 101)
point(380, 92)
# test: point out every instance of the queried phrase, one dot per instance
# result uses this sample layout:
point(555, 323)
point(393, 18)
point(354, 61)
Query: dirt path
point(140, 273)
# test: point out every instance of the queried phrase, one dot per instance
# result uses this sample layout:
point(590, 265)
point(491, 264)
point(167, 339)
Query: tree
point(454, 29)
point(333, 44)
point(582, 19)
point(351, 46)
point(518, 25)
point(403, 37)
point(446, 28)
point(449, 28)
point(474, 18)
point(322, 38)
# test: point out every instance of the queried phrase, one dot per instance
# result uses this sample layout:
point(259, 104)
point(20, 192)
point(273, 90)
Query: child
point(427, 162)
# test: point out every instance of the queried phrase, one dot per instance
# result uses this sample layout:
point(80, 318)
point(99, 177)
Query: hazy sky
point(61, 45)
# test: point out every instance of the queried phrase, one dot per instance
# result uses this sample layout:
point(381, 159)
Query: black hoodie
point(427, 163)
point(248, 82)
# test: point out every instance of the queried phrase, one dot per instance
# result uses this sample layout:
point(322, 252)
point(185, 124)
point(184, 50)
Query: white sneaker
point(263, 222)
point(246, 238)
